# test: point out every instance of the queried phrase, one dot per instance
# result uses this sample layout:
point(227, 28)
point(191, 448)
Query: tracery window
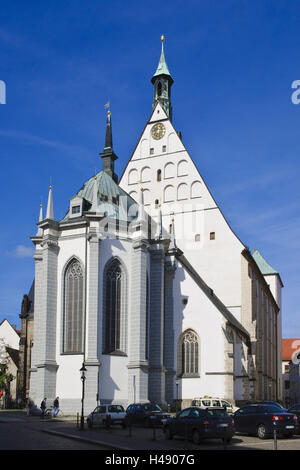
point(73, 308)
point(115, 314)
point(188, 355)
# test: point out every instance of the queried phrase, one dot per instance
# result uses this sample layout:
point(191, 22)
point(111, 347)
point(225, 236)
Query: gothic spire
point(50, 212)
point(40, 230)
point(159, 230)
point(94, 207)
point(173, 245)
point(162, 68)
point(162, 82)
point(108, 155)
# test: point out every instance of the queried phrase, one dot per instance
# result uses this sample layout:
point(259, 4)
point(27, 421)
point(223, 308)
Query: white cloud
point(22, 251)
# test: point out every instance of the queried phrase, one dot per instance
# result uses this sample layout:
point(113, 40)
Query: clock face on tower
point(158, 131)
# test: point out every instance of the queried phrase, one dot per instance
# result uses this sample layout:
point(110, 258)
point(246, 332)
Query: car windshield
point(116, 409)
point(217, 412)
point(152, 407)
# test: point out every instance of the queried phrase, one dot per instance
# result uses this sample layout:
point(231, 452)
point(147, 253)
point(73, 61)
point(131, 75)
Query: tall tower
point(108, 155)
point(162, 82)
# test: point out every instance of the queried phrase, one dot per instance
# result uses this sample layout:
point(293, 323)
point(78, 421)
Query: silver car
point(107, 415)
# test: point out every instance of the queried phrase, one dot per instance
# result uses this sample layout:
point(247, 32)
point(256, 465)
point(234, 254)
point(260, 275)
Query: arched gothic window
point(115, 313)
point(73, 308)
point(188, 355)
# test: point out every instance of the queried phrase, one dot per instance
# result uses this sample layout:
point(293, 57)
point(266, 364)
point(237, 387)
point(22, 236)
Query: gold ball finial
point(109, 112)
point(162, 38)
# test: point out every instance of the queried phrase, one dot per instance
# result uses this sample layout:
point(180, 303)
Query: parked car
point(197, 424)
point(145, 414)
point(107, 415)
point(208, 402)
point(262, 419)
point(296, 410)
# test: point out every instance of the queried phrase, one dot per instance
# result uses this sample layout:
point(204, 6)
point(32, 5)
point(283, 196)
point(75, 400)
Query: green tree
point(5, 378)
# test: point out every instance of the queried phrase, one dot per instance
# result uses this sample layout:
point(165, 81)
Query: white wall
point(203, 317)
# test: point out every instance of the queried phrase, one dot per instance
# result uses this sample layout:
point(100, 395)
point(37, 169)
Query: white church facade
point(145, 283)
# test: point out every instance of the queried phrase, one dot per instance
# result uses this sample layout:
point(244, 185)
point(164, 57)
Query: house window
point(188, 354)
point(151, 151)
point(197, 237)
point(115, 315)
point(164, 148)
point(158, 175)
point(76, 210)
point(156, 203)
point(212, 236)
point(73, 308)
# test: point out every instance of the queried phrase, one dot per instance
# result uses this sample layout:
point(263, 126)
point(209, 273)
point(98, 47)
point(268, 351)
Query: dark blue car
point(262, 420)
point(197, 424)
point(295, 409)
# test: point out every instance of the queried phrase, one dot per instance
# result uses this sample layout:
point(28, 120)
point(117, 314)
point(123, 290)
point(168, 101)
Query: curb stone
point(90, 441)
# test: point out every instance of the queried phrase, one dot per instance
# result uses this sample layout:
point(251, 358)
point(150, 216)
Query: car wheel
point(196, 437)
point(261, 431)
point(168, 433)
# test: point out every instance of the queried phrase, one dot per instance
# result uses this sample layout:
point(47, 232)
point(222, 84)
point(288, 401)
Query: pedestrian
point(29, 404)
point(43, 407)
point(55, 407)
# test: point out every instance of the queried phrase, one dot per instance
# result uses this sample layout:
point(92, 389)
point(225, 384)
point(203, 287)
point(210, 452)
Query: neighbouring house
point(9, 355)
point(26, 343)
point(291, 371)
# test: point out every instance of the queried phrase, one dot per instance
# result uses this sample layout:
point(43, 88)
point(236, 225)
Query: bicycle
point(49, 412)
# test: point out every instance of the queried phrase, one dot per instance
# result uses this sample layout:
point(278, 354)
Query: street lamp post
point(83, 377)
point(177, 383)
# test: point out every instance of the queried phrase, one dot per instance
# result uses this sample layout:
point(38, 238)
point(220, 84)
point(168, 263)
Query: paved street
point(20, 432)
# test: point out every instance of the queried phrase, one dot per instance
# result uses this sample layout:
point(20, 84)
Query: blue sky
point(233, 63)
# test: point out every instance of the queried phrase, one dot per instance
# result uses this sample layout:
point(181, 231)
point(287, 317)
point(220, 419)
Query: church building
point(146, 284)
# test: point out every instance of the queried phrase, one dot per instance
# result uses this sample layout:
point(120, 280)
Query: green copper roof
point(162, 68)
point(263, 265)
point(112, 199)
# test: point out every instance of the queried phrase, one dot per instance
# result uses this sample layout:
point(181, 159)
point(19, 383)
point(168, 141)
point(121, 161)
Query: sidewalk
point(114, 438)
